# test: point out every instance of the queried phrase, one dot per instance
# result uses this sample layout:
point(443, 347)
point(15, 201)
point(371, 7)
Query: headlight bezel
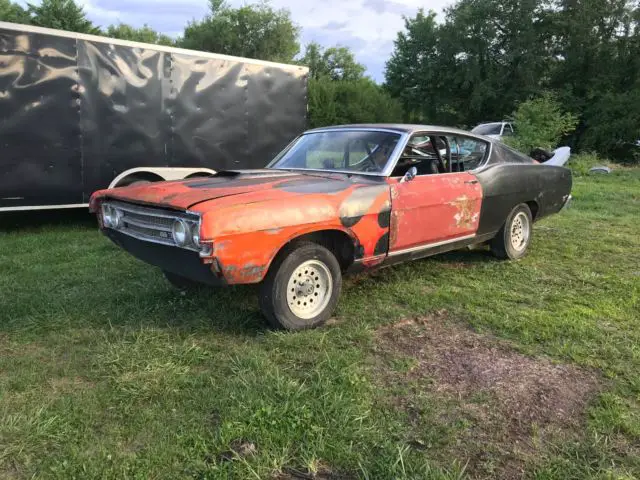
point(195, 235)
point(111, 216)
point(182, 224)
point(105, 213)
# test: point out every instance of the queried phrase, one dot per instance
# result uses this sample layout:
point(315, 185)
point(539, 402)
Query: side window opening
point(467, 153)
point(433, 154)
point(429, 153)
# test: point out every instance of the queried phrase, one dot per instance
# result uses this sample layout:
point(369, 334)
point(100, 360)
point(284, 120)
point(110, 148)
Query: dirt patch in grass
point(509, 405)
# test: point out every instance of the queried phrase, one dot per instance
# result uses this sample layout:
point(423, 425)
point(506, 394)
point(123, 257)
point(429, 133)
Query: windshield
point(358, 151)
point(488, 129)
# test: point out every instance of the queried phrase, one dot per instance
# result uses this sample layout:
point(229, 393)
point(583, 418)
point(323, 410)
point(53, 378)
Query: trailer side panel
point(122, 116)
point(78, 111)
point(40, 150)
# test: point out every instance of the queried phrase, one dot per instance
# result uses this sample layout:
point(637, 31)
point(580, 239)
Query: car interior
point(433, 154)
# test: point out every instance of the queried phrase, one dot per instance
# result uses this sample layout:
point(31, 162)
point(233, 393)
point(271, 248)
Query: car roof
point(397, 127)
point(502, 122)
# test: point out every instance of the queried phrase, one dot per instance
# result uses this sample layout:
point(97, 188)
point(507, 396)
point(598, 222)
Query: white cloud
point(367, 26)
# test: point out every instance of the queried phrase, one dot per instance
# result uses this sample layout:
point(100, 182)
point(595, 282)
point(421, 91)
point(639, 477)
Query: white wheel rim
point(520, 231)
point(309, 289)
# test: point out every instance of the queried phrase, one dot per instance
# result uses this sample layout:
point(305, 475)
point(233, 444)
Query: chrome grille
point(152, 224)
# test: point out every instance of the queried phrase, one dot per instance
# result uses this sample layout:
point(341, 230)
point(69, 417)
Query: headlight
point(106, 215)
point(117, 217)
point(195, 235)
point(111, 216)
point(181, 233)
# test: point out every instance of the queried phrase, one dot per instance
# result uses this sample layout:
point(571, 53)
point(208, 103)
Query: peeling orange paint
point(434, 208)
point(249, 218)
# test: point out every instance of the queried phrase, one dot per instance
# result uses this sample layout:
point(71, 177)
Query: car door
point(436, 208)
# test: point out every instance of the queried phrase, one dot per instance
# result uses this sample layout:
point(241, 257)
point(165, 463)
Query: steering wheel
point(370, 165)
point(328, 164)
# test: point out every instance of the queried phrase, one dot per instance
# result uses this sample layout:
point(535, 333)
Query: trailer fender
point(158, 174)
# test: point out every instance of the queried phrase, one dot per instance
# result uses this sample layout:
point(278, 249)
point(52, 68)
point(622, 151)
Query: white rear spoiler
point(560, 157)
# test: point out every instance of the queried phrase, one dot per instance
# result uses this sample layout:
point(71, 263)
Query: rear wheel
point(513, 239)
point(180, 282)
point(302, 287)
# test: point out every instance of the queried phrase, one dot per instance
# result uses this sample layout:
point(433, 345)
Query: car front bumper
point(186, 263)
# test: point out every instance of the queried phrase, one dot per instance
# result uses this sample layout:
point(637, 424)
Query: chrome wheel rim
point(520, 231)
point(309, 289)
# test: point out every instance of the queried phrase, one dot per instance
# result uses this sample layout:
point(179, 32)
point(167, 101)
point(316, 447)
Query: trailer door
point(40, 154)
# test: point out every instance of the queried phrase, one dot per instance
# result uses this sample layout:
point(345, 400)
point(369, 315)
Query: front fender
point(248, 237)
point(246, 258)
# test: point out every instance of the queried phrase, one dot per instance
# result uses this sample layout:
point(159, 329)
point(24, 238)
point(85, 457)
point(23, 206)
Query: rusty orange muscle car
point(335, 200)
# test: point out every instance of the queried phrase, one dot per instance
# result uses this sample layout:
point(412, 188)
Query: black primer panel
point(506, 185)
point(40, 157)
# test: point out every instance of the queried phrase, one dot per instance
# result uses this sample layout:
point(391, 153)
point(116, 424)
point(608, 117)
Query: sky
point(368, 27)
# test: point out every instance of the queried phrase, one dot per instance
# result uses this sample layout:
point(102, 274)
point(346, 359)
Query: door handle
point(471, 182)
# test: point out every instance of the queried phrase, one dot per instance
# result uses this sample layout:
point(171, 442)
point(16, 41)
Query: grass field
point(452, 367)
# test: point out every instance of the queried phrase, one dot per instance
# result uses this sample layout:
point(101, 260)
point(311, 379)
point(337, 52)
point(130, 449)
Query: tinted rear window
point(488, 129)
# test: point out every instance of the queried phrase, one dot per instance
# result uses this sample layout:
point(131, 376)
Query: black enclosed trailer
point(80, 112)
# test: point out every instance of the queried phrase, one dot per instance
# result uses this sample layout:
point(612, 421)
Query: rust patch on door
point(466, 214)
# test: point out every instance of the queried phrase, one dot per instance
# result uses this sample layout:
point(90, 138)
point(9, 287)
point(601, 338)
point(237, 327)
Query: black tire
point(180, 282)
point(504, 244)
point(274, 300)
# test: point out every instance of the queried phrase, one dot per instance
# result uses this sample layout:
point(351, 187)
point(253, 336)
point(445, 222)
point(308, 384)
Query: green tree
point(145, 34)
point(612, 125)
point(252, 31)
point(62, 15)
point(336, 63)
point(412, 72)
point(485, 57)
point(12, 12)
point(541, 122)
point(359, 101)
point(596, 45)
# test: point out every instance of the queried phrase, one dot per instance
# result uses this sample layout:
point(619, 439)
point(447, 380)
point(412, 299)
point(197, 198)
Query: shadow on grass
point(232, 310)
point(97, 293)
point(38, 219)
point(459, 259)
point(466, 258)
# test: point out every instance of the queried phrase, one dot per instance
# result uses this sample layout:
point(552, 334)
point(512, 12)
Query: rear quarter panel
point(507, 185)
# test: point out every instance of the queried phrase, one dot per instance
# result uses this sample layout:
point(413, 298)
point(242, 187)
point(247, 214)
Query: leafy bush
point(338, 102)
point(613, 126)
point(540, 122)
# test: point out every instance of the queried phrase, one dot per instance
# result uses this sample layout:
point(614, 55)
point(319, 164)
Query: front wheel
point(302, 287)
point(513, 239)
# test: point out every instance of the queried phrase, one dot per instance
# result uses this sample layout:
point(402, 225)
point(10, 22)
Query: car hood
point(235, 186)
